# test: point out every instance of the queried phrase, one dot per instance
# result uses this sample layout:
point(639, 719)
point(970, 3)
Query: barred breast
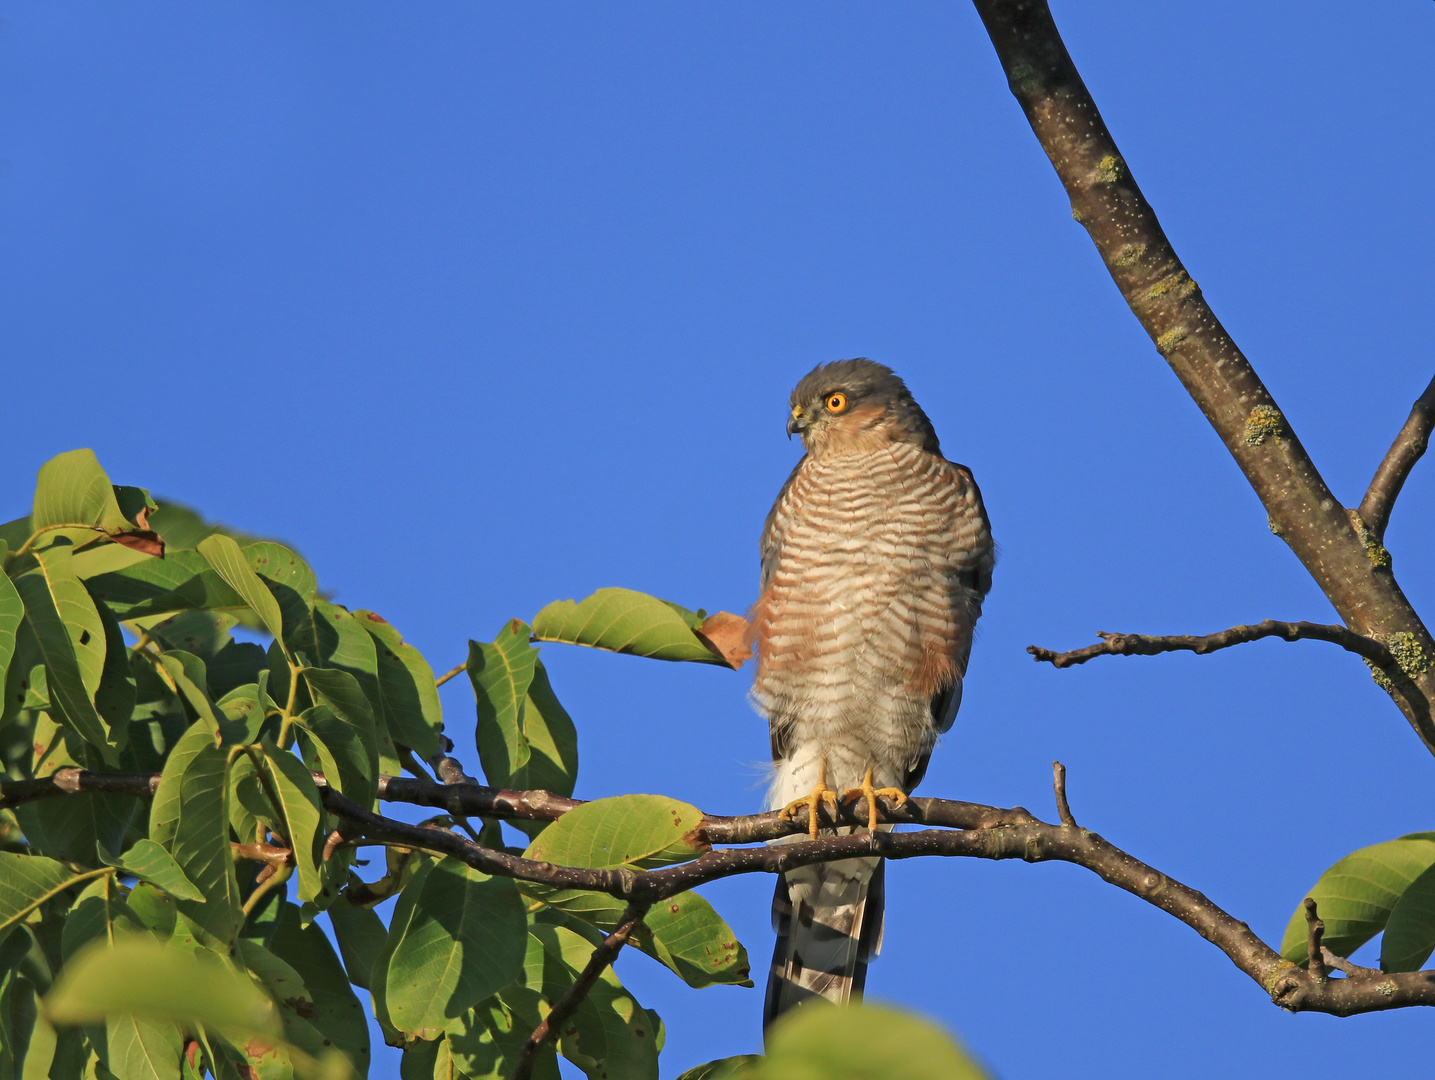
point(875, 565)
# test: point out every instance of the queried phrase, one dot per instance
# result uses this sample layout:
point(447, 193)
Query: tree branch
point(965, 830)
point(1408, 447)
point(1338, 548)
point(604, 954)
point(1142, 645)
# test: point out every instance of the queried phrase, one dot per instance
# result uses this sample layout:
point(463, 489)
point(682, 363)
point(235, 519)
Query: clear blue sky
point(484, 305)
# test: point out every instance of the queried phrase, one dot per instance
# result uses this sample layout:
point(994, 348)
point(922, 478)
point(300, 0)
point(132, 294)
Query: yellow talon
point(820, 794)
point(872, 794)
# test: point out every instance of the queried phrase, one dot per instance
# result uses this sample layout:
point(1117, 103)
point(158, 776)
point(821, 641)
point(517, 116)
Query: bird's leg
point(872, 794)
point(820, 794)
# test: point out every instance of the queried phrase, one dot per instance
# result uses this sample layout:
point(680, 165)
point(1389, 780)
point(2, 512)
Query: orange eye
point(836, 402)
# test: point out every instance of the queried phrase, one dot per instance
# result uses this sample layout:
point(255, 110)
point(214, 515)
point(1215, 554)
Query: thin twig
point(1058, 782)
point(604, 954)
point(1315, 930)
point(1408, 447)
point(447, 675)
point(1144, 645)
point(1341, 964)
point(263, 853)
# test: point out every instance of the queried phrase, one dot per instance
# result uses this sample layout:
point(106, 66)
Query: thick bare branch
point(1408, 447)
point(1144, 645)
point(604, 954)
point(973, 831)
point(1340, 551)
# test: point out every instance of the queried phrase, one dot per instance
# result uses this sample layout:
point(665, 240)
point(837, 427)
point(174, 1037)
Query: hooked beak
point(799, 421)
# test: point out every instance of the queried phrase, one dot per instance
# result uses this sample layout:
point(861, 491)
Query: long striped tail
point(828, 919)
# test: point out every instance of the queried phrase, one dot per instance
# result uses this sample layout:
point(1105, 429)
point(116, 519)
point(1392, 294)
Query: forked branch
point(604, 954)
point(1404, 452)
point(1145, 645)
point(964, 830)
point(1343, 555)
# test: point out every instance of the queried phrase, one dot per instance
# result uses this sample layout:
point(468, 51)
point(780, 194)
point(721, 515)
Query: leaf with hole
point(71, 638)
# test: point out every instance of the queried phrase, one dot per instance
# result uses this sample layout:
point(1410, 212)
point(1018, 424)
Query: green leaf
point(643, 831)
point(1354, 897)
point(17, 1023)
point(687, 936)
point(610, 1034)
point(142, 1049)
point(1410, 932)
point(361, 936)
point(227, 560)
point(339, 692)
point(332, 640)
point(741, 1067)
point(187, 675)
point(303, 813)
point(501, 674)
point(621, 620)
point(462, 941)
point(343, 751)
point(72, 828)
point(525, 737)
point(12, 610)
point(638, 831)
point(407, 684)
point(189, 818)
point(337, 1013)
point(867, 1042)
point(27, 881)
point(71, 639)
point(100, 912)
point(181, 581)
point(72, 491)
point(152, 863)
point(138, 976)
point(485, 1043)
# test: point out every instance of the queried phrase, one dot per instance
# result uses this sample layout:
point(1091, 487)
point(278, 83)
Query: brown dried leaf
point(726, 635)
point(146, 541)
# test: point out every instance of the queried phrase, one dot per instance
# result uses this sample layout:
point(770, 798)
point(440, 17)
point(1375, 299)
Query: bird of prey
point(876, 557)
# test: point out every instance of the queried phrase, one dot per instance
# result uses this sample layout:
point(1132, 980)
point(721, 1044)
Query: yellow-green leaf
point(1354, 897)
point(228, 561)
point(621, 620)
point(861, 1042)
point(138, 976)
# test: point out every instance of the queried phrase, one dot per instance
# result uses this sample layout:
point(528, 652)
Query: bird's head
point(855, 405)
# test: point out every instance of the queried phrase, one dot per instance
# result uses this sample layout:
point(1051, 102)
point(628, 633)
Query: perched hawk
point(875, 560)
